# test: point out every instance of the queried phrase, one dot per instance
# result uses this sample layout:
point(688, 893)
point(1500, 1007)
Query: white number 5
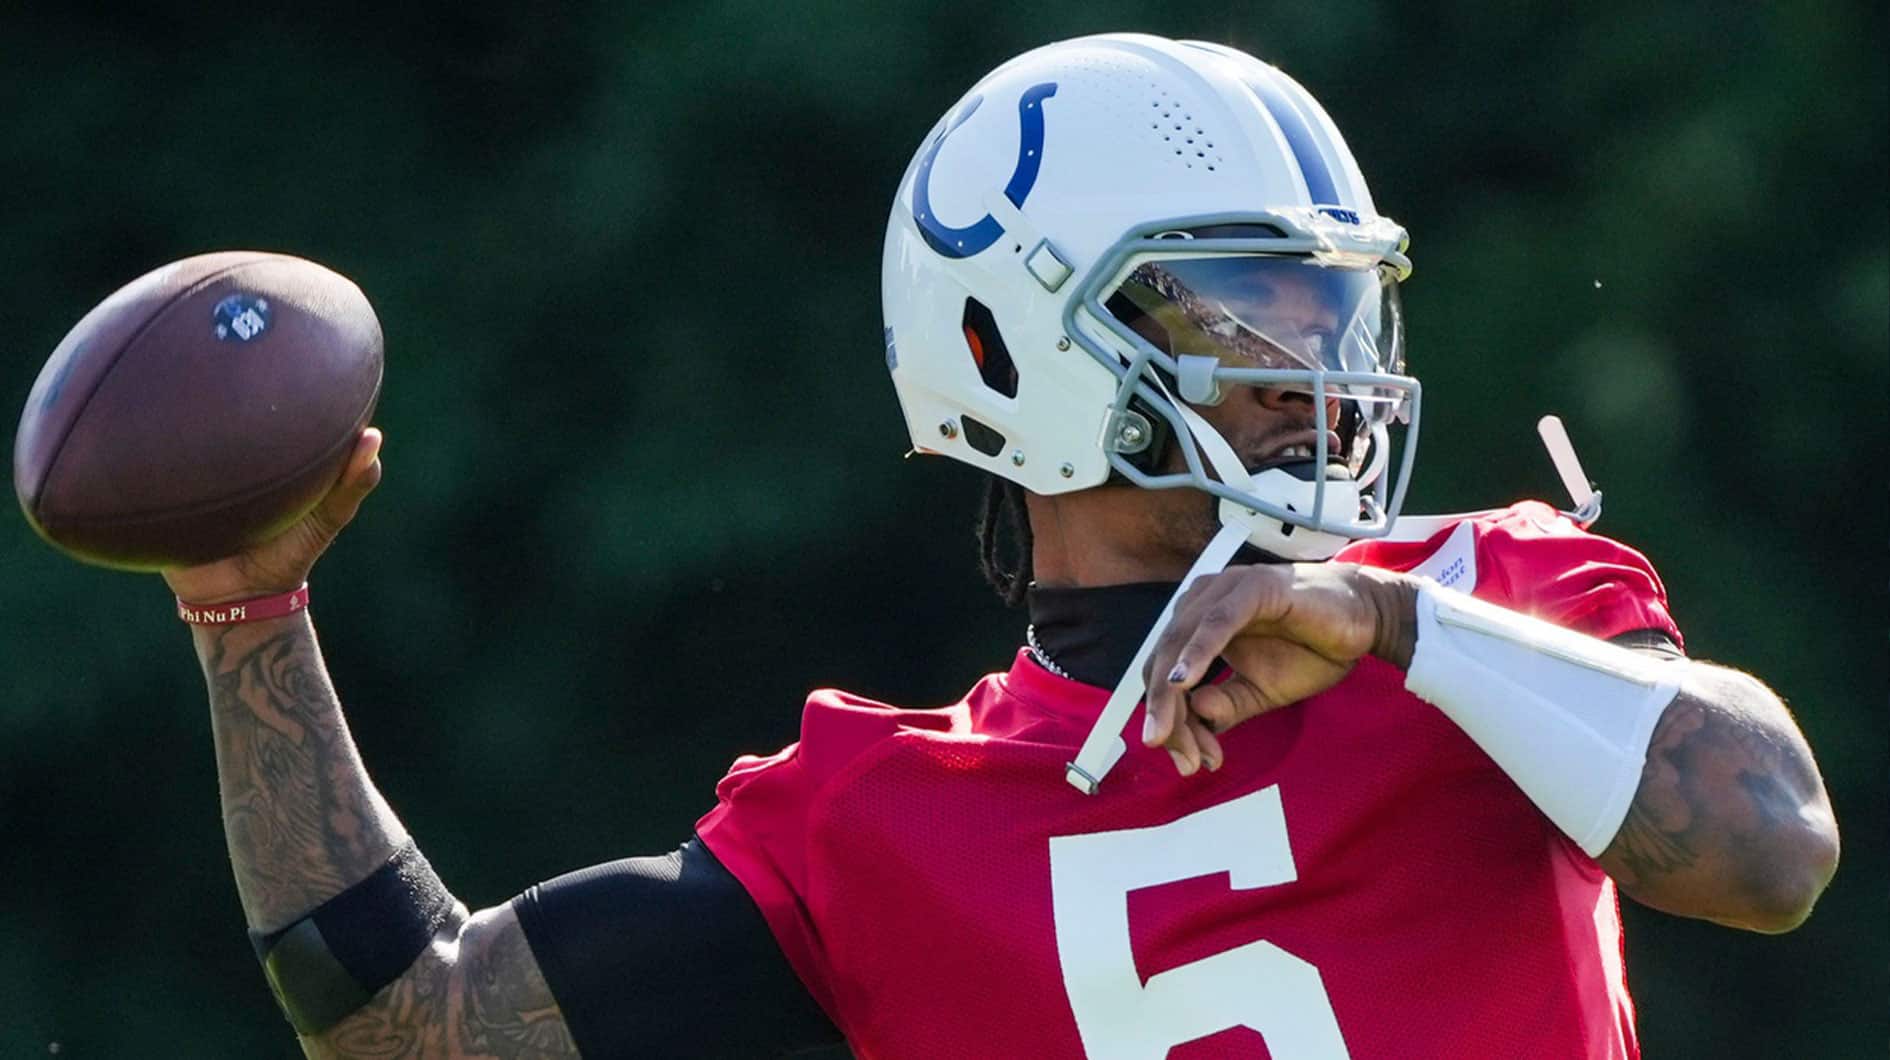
point(1258, 985)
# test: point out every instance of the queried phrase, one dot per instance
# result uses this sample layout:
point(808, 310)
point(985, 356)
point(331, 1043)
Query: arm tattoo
point(492, 1002)
point(506, 1008)
point(1656, 839)
point(406, 1020)
point(1725, 787)
point(302, 821)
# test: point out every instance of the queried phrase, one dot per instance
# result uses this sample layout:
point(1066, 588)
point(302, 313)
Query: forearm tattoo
point(1724, 790)
point(302, 821)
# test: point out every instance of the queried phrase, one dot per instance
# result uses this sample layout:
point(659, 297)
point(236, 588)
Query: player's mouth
point(1297, 447)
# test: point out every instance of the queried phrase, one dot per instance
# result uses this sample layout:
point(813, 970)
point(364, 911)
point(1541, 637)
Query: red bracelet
point(244, 610)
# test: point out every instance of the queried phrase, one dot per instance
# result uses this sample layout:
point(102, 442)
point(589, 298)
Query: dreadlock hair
point(1003, 519)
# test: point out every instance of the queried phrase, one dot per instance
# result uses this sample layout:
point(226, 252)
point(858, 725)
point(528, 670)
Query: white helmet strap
point(1265, 532)
point(1104, 746)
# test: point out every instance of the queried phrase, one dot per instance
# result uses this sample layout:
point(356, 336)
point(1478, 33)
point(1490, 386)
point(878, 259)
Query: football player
point(1142, 283)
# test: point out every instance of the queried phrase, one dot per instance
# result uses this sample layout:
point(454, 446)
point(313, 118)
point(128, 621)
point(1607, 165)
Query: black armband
point(334, 960)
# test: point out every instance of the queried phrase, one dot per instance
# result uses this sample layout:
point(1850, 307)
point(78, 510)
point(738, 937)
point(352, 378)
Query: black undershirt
point(668, 956)
point(1092, 634)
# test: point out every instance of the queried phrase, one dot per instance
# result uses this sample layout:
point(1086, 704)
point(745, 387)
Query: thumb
point(358, 479)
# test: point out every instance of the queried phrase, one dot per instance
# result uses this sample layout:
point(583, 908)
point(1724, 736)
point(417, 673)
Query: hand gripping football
point(199, 410)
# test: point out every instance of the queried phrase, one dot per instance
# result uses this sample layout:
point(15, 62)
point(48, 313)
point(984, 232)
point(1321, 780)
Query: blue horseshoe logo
point(973, 238)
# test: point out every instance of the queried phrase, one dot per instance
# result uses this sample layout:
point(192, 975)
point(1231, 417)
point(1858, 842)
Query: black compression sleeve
point(668, 956)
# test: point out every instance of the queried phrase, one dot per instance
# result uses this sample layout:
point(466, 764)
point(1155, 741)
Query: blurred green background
point(644, 477)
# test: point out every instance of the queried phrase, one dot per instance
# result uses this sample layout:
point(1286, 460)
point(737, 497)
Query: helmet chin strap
point(1285, 540)
point(1103, 747)
point(1240, 525)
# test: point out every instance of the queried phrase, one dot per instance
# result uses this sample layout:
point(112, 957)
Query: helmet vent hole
point(982, 438)
point(988, 351)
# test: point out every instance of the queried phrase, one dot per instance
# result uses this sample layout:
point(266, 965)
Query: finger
point(1157, 708)
point(358, 479)
point(1220, 621)
point(367, 453)
point(1225, 705)
point(1214, 707)
point(1158, 697)
point(1163, 693)
point(1167, 705)
point(1163, 700)
point(1173, 635)
point(1211, 754)
point(1184, 750)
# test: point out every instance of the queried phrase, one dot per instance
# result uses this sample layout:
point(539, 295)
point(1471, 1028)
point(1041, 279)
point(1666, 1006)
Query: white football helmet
point(1106, 230)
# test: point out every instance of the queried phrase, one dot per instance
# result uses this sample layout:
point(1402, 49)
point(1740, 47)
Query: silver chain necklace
point(1041, 656)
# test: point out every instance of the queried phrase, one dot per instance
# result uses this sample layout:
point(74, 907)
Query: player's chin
point(1189, 527)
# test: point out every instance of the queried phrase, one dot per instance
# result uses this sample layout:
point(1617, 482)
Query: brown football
point(202, 408)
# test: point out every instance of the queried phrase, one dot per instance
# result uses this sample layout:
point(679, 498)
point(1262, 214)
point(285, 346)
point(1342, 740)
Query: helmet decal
point(974, 238)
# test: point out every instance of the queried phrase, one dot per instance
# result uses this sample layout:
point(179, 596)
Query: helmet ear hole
point(981, 437)
point(987, 348)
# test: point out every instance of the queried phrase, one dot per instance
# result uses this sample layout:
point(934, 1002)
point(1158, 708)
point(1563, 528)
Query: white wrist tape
point(1567, 716)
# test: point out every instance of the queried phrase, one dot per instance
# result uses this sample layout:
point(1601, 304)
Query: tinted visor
point(1274, 313)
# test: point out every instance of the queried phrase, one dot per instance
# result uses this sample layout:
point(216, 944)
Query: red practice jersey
point(1358, 879)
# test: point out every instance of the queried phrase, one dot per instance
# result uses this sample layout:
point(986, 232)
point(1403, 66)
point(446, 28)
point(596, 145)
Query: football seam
point(59, 451)
point(133, 518)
